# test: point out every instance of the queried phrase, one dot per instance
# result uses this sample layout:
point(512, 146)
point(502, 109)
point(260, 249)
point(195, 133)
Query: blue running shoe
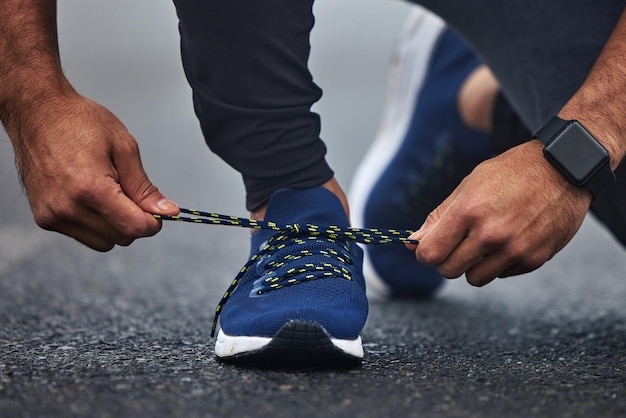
point(302, 300)
point(422, 152)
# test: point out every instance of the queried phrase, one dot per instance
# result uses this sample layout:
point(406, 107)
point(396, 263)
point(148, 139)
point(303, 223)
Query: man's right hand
point(79, 165)
point(83, 175)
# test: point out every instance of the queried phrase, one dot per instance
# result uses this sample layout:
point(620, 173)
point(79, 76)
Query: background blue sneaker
point(409, 170)
point(302, 301)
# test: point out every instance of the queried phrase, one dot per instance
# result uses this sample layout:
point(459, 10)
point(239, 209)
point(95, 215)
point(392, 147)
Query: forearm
point(600, 102)
point(30, 69)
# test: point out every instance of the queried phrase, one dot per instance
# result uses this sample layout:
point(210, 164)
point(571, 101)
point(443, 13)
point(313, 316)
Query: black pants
point(246, 61)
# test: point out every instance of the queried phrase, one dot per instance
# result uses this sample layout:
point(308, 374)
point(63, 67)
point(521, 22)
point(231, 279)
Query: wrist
point(30, 69)
point(576, 154)
point(31, 101)
point(605, 128)
point(551, 174)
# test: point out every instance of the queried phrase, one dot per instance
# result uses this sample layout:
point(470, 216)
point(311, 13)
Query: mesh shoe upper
point(435, 153)
point(313, 279)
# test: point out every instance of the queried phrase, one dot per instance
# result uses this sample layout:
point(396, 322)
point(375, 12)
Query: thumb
point(431, 220)
point(148, 197)
point(137, 186)
point(158, 203)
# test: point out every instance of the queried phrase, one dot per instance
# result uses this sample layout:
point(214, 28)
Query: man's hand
point(509, 216)
point(82, 171)
point(515, 211)
point(78, 163)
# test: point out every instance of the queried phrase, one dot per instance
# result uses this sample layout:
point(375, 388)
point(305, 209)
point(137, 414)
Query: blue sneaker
point(423, 151)
point(302, 301)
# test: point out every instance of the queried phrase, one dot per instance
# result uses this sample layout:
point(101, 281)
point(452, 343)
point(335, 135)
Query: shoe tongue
point(302, 206)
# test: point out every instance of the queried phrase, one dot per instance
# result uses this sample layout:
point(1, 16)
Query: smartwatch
point(569, 147)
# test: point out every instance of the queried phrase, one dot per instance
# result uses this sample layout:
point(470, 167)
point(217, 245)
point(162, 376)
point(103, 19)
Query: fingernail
point(417, 234)
point(165, 204)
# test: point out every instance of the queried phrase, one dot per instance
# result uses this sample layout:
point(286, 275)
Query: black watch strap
point(550, 129)
point(601, 178)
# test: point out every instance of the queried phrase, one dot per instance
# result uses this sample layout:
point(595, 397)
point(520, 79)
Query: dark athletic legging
point(246, 61)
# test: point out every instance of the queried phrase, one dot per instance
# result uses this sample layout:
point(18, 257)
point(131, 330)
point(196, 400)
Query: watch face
point(577, 153)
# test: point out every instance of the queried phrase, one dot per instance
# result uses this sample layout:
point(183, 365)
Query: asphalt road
point(126, 333)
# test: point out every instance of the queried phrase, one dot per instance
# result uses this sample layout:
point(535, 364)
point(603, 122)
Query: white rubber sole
point(409, 65)
point(229, 346)
point(296, 342)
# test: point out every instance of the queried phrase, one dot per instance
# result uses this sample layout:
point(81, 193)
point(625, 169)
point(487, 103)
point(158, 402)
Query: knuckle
point(527, 255)
point(132, 231)
point(127, 145)
point(103, 248)
point(125, 242)
point(492, 237)
point(449, 272)
point(52, 218)
point(146, 189)
point(472, 209)
point(476, 280)
point(45, 220)
point(151, 231)
point(428, 255)
point(138, 231)
point(473, 281)
point(535, 259)
point(139, 227)
point(433, 216)
point(90, 190)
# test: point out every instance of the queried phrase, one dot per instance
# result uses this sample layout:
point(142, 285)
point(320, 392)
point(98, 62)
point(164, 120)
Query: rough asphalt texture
point(126, 333)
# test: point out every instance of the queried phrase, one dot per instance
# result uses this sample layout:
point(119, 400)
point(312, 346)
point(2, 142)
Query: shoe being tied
point(422, 152)
point(300, 300)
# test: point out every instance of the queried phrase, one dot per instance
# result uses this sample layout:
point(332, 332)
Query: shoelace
point(288, 234)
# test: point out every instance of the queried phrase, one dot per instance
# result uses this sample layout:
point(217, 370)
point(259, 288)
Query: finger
point(464, 257)
point(433, 218)
point(487, 270)
point(106, 199)
point(496, 265)
point(445, 230)
point(99, 217)
point(516, 270)
point(93, 231)
point(135, 183)
point(99, 241)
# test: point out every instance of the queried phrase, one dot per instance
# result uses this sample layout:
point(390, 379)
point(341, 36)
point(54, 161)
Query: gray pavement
point(126, 333)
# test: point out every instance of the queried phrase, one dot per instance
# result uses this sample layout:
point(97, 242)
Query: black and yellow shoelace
point(369, 236)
